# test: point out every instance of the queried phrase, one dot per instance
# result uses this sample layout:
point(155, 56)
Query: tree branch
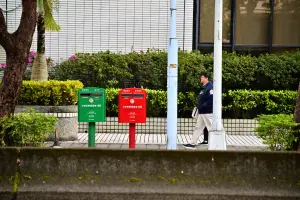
point(4, 35)
point(3, 28)
point(27, 23)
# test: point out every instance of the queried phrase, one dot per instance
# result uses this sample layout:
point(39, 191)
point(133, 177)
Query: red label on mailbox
point(132, 105)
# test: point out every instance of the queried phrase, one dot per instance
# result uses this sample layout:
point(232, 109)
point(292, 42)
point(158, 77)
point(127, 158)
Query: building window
point(286, 28)
point(207, 13)
point(257, 26)
point(252, 22)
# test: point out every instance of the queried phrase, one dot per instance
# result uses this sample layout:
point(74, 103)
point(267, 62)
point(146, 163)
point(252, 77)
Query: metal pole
point(91, 136)
point(217, 139)
point(56, 142)
point(183, 37)
point(196, 24)
point(271, 26)
point(132, 136)
point(172, 80)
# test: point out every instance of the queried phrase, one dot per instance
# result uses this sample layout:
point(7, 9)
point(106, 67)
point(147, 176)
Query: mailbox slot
point(97, 94)
point(85, 95)
point(138, 96)
point(126, 96)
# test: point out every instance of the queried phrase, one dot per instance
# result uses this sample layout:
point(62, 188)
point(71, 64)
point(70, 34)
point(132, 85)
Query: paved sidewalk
point(109, 138)
point(158, 141)
point(70, 144)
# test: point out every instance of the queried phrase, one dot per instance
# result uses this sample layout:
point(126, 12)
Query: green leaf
point(50, 23)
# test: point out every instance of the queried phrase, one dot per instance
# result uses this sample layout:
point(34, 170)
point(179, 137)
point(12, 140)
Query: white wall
point(115, 25)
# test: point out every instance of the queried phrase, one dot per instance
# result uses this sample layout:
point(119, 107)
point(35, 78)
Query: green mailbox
point(91, 105)
point(91, 109)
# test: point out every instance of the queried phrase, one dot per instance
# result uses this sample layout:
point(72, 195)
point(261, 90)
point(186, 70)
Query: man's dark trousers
point(205, 132)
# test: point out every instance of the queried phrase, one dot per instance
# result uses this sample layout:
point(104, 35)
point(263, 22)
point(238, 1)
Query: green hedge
point(250, 104)
point(53, 93)
point(236, 104)
point(110, 70)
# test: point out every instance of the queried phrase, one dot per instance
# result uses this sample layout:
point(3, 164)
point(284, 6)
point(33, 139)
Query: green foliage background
point(111, 70)
point(236, 104)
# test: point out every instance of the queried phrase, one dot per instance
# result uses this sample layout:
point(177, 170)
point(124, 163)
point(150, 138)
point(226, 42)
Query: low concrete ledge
point(67, 123)
point(138, 196)
point(95, 174)
point(48, 109)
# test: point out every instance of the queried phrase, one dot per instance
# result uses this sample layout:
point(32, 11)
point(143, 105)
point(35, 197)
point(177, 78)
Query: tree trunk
point(17, 46)
point(297, 116)
point(40, 68)
point(12, 82)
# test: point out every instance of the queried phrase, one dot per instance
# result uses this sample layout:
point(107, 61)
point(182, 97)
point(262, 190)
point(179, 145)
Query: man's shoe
point(204, 143)
point(189, 146)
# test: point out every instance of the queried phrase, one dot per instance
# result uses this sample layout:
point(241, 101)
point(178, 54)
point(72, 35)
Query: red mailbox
point(132, 105)
point(132, 109)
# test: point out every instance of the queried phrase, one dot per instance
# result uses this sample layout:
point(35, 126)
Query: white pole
point(217, 139)
point(172, 80)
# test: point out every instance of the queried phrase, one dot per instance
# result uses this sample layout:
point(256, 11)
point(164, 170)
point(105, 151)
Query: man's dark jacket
point(205, 99)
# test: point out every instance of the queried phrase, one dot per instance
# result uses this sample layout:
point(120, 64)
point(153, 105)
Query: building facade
point(114, 25)
point(249, 26)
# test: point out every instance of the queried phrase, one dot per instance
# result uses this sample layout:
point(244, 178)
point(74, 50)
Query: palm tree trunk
point(41, 33)
point(40, 68)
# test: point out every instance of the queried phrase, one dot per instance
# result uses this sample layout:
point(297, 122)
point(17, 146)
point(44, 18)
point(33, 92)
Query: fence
point(159, 126)
point(99, 25)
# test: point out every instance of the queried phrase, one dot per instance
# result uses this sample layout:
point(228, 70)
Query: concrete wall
point(123, 174)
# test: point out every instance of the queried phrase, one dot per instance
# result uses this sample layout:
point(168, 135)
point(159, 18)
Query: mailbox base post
point(132, 136)
point(92, 127)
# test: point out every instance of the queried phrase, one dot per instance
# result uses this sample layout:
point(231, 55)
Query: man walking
point(205, 110)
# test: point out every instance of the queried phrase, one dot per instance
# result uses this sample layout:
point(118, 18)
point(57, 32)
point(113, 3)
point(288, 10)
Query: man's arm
point(209, 96)
point(199, 105)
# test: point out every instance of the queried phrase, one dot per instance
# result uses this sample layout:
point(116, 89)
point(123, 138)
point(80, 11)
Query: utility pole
point(217, 139)
point(172, 81)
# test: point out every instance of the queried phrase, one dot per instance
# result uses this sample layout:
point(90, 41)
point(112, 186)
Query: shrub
point(28, 128)
point(54, 93)
point(149, 69)
point(190, 66)
point(278, 72)
point(278, 131)
point(238, 71)
point(2, 66)
point(103, 69)
point(236, 104)
point(156, 103)
point(249, 103)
